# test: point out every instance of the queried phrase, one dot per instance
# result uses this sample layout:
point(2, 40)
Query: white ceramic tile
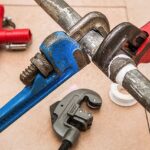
point(138, 11)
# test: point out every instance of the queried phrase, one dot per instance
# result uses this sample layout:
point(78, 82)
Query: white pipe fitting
point(119, 98)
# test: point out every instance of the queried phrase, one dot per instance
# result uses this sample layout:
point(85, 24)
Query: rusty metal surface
point(124, 39)
point(28, 75)
point(67, 17)
point(138, 86)
point(117, 65)
point(92, 21)
point(81, 58)
point(35, 126)
point(42, 64)
point(61, 12)
point(38, 64)
point(120, 40)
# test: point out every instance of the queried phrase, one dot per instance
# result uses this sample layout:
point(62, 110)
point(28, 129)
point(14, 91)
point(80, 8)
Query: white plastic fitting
point(119, 98)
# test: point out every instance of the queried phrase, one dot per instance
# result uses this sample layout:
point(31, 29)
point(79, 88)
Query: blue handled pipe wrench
point(59, 57)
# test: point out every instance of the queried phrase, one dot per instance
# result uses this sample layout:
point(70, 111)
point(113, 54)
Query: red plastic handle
point(15, 36)
point(144, 50)
point(1, 15)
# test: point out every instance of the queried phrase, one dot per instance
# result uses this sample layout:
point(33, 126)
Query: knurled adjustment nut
point(42, 64)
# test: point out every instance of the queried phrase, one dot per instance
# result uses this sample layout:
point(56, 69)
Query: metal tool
point(64, 57)
point(114, 58)
point(12, 39)
point(125, 39)
point(116, 95)
point(60, 58)
point(68, 118)
point(67, 17)
point(95, 20)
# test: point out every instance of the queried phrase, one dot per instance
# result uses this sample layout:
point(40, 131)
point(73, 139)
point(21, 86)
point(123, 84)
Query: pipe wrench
point(60, 58)
point(142, 56)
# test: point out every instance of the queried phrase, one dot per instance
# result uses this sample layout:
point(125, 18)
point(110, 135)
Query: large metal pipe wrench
point(62, 55)
point(60, 58)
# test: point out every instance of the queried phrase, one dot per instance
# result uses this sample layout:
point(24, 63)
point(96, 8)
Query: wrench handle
point(1, 15)
point(15, 36)
point(143, 53)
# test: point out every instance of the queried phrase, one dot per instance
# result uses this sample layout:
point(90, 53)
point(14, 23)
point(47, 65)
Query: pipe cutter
point(68, 118)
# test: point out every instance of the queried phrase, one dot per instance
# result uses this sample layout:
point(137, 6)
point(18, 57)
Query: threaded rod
point(29, 74)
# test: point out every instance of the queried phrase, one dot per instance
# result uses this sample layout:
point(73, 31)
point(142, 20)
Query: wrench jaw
point(118, 41)
point(67, 17)
point(92, 21)
point(91, 26)
point(67, 116)
point(64, 65)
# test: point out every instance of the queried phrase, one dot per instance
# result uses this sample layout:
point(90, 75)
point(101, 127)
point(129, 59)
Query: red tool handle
point(1, 15)
point(15, 36)
point(144, 50)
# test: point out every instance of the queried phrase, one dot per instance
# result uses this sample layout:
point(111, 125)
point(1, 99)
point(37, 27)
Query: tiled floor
point(114, 127)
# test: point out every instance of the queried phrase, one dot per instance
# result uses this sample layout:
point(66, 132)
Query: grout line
point(87, 6)
point(125, 2)
point(126, 9)
point(127, 15)
point(101, 6)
